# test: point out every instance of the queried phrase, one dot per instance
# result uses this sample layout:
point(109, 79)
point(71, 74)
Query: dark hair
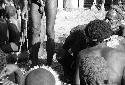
point(98, 30)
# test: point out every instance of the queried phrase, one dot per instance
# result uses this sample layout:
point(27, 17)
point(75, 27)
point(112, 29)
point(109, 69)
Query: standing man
point(36, 14)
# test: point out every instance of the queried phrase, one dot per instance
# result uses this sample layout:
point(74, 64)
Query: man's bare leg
point(51, 10)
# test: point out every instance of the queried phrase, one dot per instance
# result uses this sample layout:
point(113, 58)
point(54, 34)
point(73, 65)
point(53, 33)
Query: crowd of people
point(93, 54)
point(13, 15)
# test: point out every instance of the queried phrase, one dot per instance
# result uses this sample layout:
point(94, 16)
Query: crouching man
point(102, 63)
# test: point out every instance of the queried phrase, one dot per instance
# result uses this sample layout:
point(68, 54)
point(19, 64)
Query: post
point(81, 3)
point(95, 2)
point(69, 4)
point(60, 4)
point(74, 3)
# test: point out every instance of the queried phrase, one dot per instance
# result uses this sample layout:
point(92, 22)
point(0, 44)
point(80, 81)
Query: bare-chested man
point(103, 63)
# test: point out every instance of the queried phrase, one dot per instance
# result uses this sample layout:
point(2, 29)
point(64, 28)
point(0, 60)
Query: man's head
point(10, 11)
point(113, 17)
point(98, 30)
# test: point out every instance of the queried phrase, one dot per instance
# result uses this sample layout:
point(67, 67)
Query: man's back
point(3, 30)
point(103, 63)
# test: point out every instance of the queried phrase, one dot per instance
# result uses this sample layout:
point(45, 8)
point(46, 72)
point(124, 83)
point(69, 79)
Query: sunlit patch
point(113, 41)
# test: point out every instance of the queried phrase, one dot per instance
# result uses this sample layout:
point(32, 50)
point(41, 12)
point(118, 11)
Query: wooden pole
point(81, 3)
point(60, 4)
point(95, 2)
point(74, 3)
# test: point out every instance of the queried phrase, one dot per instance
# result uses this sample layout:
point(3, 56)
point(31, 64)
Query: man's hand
point(14, 46)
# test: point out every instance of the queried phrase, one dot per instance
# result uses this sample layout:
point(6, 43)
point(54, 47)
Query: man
point(103, 62)
point(74, 43)
point(6, 44)
point(36, 14)
point(115, 18)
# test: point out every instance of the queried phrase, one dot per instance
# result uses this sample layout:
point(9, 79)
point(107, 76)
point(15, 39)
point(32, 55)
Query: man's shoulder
point(89, 51)
point(104, 52)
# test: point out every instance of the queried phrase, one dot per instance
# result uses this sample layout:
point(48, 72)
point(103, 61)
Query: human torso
point(104, 61)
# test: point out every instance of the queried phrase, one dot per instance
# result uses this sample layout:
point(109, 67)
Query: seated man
point(14, 30)
point(9, 34)
point(5, 44)
point(103, 62)
point(115, 18)
point(74, 43)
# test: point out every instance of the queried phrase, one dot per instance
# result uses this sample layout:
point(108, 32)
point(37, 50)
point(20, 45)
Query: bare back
point(104, 63)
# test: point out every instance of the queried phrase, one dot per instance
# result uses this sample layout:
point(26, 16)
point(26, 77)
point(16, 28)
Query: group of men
point(10, 31)
point(79, 39)
point(98, 48)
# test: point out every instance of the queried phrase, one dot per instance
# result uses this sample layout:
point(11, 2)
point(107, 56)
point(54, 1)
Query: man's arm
point(77, 78)
point(25, 8)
